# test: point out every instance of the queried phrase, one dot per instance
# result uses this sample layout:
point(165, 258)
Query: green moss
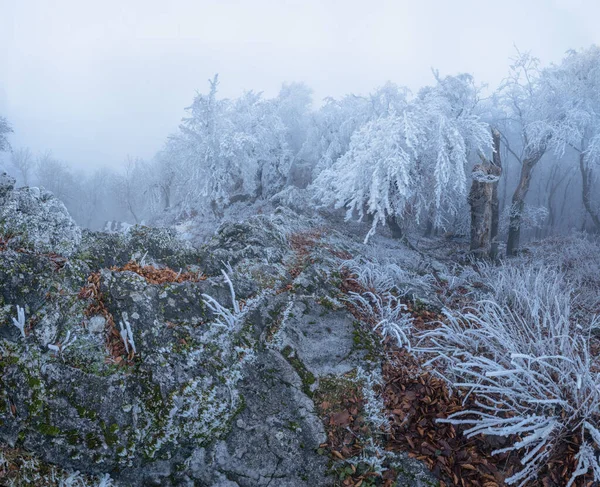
point(110, 436)
point(73, 437)
point(10, 360)
point(366, 341)
point(48, 430)
point(92, 441)
point(307, 377)
point(86, 413)
point(33, 382)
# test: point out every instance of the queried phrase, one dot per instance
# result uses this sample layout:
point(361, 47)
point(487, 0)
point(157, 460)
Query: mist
point(299, 243)
point(95, 82)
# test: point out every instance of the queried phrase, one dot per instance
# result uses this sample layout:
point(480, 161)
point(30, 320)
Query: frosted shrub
point(382, 277)
point(533, 293)
point(533, 380)
point(225, 318)
point(388, 313)
point(127, 335)
point(370, 275)
point(19, 321)
point(578, 257)
point(373, 402)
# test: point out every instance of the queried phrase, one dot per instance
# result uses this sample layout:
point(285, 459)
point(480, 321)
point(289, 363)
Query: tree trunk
point(166, 190)
point(495, 225)
point(586, 176)
point(518, 200)
point(564, 204)
point(481, 200)
point(132, 212)
point(392, 224)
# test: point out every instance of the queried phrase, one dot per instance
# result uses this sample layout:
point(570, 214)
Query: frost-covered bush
point(533, 293)
point(370, 275)
point(224, 317)
point(374, 406)
point(530, 371)
point(388, 313)
point(19, 321)
point(386, 277)
point(578, 257)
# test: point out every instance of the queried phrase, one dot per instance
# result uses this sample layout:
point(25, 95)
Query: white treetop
point(411, 161)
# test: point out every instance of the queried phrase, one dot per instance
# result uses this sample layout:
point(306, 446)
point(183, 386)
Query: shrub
point(528, 364)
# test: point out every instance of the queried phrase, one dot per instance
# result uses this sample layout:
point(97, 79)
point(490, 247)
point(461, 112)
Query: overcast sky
point(96, 80)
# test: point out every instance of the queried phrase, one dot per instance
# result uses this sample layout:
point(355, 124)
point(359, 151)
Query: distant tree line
point(525, 156)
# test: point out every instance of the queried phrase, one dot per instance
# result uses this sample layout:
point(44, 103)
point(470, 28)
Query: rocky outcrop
point(35, 218)
point(137, 360)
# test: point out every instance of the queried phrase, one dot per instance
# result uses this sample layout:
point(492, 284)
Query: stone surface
point(37, 220)
point(206, 399)
point(7, 183)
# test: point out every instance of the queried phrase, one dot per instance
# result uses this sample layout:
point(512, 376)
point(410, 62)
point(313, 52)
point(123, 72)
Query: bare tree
point(23, 160)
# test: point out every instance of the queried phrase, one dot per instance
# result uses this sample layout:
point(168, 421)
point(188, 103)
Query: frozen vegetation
point(258, 303)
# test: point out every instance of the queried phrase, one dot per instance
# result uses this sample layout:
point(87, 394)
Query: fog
point(299, 243)
point(96, 81)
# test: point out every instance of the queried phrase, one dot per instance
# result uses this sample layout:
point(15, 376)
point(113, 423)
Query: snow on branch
point(19, 321)
point(224, 317)
point(127, 335)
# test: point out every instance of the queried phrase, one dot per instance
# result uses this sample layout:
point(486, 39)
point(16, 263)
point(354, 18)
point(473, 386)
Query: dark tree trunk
point(132, 212)
point(518, 200)
point(167, 196)
point(586, 176)
point(392, 224)
point(564, 203)
point(485, 179)
point(429, 227)
point(483, 199)
point(497, 162)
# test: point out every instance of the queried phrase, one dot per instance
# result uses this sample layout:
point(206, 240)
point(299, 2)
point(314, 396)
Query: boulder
point(36, 220)
point(156, 372)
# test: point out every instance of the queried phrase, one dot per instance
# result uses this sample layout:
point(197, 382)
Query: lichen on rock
point(180, 395)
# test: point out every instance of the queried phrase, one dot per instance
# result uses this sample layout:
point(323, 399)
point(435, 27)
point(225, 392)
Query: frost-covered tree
point(557, 110)
point(94, 204)
point(5, 129)
point(24, 162)
point(56, 176)
point(332, 127)
point(293, 105)
point(231, 149)
point(572, 88)
point(519, 95)
point(411, 161)
point(129, 189)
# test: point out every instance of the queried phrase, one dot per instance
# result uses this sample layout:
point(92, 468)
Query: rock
point(276, 435)
point(7, 183)
point(147, 382)
point(413, 473)
point(146, 245)
point(322, 339)
point(258, 239)
point(38, 221)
